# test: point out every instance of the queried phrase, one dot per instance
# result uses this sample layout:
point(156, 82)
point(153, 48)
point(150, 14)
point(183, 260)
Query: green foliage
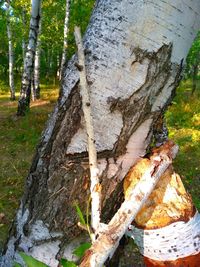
point(53, 15)
point(193, 58)
point(31, 262)
point(66, 263)
point(80, 13)
point(79, 252)
point(80, 214)
point(18, 139)
point(183, 120)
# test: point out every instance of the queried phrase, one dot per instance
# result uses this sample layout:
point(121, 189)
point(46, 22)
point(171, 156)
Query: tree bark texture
point(166, 229)
point(23, 38)
point(36, 74)
point(10, 55)
point(134, 52)
point(195, 70)
point(135, 198)
point(25, 93)
point(66, 29)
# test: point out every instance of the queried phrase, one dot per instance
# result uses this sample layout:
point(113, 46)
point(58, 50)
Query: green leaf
point(31, 262)
point(16, 264)
point(66, 263)
point(79, 251)
point(80, 214)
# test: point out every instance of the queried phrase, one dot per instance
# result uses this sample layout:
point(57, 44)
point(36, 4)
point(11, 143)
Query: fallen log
point(136, 196)
point(167, 228)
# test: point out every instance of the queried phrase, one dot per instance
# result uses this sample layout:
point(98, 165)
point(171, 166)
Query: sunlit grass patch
point(183, 119)
point(18, 139)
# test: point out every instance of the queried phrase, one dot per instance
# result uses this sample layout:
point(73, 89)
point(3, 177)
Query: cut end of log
point(169, 202)
point(167, 226)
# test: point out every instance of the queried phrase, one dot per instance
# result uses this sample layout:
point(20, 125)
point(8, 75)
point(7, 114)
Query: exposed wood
point(133, 70)
point(166, 229)
point(135, 198)
point(95, 187)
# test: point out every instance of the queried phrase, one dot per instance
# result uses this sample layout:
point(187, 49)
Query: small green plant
point(30, 261)
point(66, 263)
point(79, 251)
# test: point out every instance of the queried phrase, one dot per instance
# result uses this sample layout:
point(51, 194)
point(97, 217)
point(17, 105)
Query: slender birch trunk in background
point(195, 69)
point(49, 58)
point(36, 74)
point(11, 54)
point(66, 29)
point(25, 93)
point(23, 37)
point(133, 56)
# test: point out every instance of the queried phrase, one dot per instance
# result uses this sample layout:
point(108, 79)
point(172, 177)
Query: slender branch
point(107, 242)
point(95, 187)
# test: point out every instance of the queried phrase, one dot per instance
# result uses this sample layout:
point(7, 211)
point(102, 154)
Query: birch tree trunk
point(66, 29)
point(23, 38)
point(36, 75)
point(25, 93)
point(11, 55)
point(134, 52)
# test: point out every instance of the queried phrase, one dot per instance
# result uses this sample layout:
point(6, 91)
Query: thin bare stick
point(95, 187)
point(107, 241)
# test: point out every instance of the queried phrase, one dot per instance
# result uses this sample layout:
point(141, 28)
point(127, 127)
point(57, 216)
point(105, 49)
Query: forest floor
point(19, 137)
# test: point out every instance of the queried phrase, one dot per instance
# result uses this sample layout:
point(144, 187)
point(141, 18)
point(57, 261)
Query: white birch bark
point(133, 55)
point(95, 187)
point(23, 37)
point(66, 29)
point(24, 100)
point(10, 54)
point(36, 74)
point(107, 241)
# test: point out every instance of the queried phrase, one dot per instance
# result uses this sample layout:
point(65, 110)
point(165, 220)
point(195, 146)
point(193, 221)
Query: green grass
point(18, 139)
point(183, 120)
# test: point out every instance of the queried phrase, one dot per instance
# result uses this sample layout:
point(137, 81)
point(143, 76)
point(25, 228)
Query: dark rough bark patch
point(137, 108)
point(39, 190)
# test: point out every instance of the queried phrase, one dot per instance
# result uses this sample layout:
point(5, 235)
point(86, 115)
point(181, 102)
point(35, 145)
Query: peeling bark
point(135, 198)
point(133, 52)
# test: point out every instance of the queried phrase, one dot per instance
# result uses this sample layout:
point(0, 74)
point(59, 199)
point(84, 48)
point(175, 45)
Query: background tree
point(36, 73)
point(25, 93)
point(132, 77)
point(11, 52)
point(66, 29)
point(133, 66)
point(193, 62)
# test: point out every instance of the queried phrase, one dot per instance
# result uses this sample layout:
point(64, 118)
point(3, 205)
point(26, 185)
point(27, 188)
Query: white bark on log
point(11, 54)
point(66, 29)
point(95, 187)
point(175, 241)
point(109, 239)
point(25, 93)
